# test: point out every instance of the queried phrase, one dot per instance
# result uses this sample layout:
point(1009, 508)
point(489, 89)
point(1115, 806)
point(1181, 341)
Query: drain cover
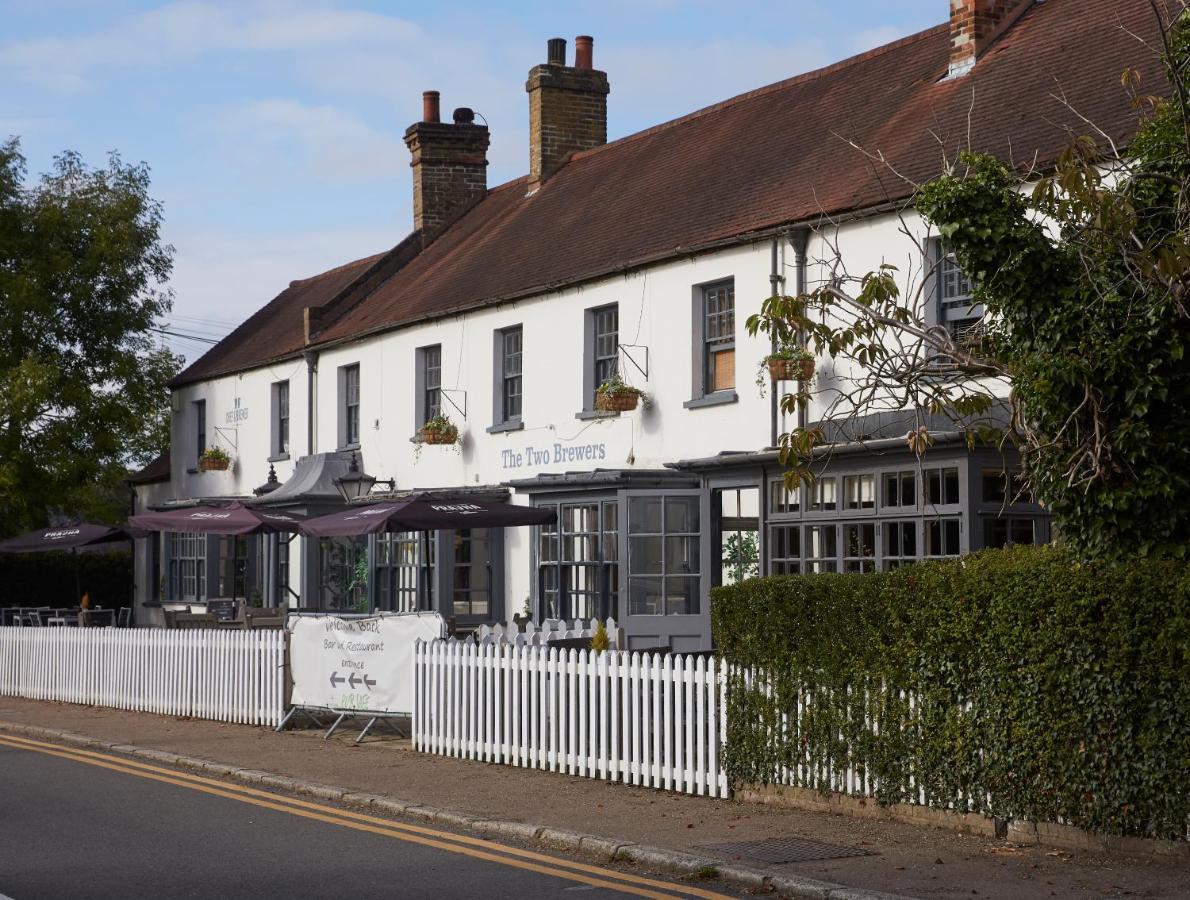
point(785, 850)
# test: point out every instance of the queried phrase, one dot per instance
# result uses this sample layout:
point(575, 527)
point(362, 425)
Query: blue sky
point(274, 129)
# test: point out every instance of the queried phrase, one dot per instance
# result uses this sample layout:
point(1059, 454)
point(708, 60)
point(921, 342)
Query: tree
point(83, 384)
point(1083, 273)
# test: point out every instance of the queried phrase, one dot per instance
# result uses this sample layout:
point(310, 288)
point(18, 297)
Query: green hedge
point(1044, 688)
point(47, 579)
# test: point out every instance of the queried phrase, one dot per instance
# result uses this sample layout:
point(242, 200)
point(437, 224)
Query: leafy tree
point(1083, 273)
point(83, 383)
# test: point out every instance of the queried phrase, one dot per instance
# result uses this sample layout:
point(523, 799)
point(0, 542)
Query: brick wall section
point(450, 171)
point(567, 113)
point(973, 25)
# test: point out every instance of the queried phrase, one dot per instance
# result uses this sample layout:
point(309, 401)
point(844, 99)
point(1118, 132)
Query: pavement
point(576, 818)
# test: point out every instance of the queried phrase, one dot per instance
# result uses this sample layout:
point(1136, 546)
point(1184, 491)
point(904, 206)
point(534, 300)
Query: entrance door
point(664, 585)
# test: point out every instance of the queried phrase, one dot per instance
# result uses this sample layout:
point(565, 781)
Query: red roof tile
point(777, 155)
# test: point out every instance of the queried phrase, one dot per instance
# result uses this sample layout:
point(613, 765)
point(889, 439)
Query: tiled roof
point(277, 329)
point(790, 152)
point(157, 470)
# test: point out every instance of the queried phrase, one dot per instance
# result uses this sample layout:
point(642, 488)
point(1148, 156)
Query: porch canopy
point(223, 518)
point(63, 537)
point(425, 511)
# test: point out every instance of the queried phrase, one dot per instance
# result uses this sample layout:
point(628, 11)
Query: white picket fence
point(228, 676)
point(548, 630)
point(652, 720)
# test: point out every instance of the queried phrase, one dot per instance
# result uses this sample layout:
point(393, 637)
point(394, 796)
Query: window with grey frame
point(664, 565)
point(511, 384)
point(718, 337)
point(472, 581)
point(578, 571)
point(280, 418)
point(821, 548)
point(187, 566)
point(430, 376)
point(900, 543)
point(605, 350)
point(404, 570)
point(200, 427)
point(601, 354)
point(958, 311)
point(351, 397)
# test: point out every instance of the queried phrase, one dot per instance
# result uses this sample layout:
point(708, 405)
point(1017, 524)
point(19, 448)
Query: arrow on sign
point(368, 682)
point(352, 681)
point(336, 680)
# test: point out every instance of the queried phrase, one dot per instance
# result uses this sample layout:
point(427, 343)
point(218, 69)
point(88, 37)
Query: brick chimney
point(450, 165)
point(974, 25)
point(567, 108)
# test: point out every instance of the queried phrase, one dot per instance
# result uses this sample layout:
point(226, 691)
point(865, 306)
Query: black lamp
point(355, 484)
point(269, 486)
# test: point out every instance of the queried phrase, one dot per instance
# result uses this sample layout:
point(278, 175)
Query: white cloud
point(185, 30)
point(322, 142)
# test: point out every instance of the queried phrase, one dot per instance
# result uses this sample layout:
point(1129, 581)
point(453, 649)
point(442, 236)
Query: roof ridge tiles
point(765, 90)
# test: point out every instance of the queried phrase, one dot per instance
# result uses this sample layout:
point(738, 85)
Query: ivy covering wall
point(1019, 683)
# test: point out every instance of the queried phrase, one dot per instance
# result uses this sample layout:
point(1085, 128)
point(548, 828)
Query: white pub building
point(506, 307)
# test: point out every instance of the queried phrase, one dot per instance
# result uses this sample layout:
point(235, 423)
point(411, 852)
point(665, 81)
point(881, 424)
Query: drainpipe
point(311, 357)
point(799, 239)
point(775, 279)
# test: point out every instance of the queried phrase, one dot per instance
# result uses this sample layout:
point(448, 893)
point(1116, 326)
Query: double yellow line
point(477, 848)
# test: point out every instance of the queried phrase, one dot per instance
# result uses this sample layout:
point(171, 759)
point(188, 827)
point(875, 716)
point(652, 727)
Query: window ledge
point(588, 414)
point(280, 457)
point(347, 447)
point(716, 399)
point(502, 427)
point(192, 470)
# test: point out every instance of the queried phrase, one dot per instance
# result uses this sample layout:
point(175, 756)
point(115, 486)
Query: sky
point(273, 128)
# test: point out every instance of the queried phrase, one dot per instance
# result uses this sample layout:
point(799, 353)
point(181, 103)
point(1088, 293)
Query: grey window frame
point(820, 562)
point(957, 309)
point(941, 523)
point(860, 562)
point(347, 407)
point(786, 563)
point(900, 476)
point(423, 384)
point(504, 418)
point(793, 506)
point(699, 577)
point(888, 527)
point(1009, 522)
point(392, 574)
point(700, 393)
point(186, 561)
point(859, 477)
point(200, 428)
point(598, 364)
point(280, 421)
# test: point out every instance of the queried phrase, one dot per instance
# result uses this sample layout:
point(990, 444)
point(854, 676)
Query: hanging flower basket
point(214, 460)
point(796, 367)
point(622, 402)
point(615, 395)
point(440, 430)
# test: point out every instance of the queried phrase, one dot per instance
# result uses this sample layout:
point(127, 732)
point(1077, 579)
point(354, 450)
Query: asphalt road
point(95, 826)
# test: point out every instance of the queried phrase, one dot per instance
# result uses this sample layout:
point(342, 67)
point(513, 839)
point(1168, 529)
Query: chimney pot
point(583, 53)
point(555, 52)
point(430, 107)
point(464, 115)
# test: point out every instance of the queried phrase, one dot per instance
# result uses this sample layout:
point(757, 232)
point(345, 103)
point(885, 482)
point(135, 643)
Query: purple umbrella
point(425, 512)
point(62, 537)
point(225, 518)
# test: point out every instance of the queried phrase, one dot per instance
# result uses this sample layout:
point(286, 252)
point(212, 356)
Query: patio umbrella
point(425, 512)
point(232, 518)
point(223, 518)
point(63, 537)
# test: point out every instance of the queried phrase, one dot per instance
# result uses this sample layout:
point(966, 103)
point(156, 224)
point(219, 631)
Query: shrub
point(1044, 688)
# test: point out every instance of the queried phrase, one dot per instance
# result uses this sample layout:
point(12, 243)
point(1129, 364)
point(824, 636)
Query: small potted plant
point(214, 459)
point(790, 363)
point(616, 395)
point(439, 430)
